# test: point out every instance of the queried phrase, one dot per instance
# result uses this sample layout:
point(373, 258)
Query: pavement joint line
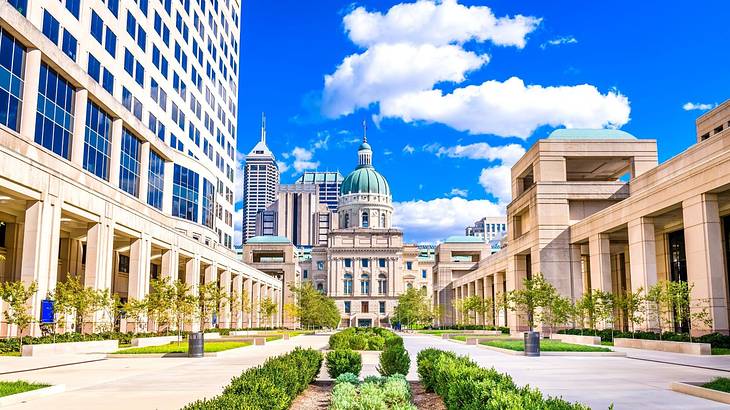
point(53, 366)
point(679, 364)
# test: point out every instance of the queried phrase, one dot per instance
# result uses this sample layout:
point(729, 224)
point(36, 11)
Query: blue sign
point(47, 311)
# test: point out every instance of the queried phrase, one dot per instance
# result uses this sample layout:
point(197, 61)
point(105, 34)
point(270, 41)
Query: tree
point(534, 295)
point(587, 305)
point(72, 298)
point(659, 304)
point(267, 308)
point(110, 307)
point(605, 308)
point(217, 299)
point(246, 305)
point(17, 295)
point(138, 310)
point(413, 308)
point(159, 302)
point(631, 304)
point(472, 305)
point(556, 312)
point(234, 301)
point(183, 305)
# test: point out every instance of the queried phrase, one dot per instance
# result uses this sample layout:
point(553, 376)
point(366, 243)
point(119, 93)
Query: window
point(20, 5)
point(347, 220)
point(320, 265)
point(348, 262)
point(108, 81)
point(94, 68)
point(365, 263)
point(54, 121)
point(409, 265)
point(110, 42)
point(347, 306)
point(381, 262)
point(382, 220)
point(123, 263)
point(50, 27)
point(305, 274)
point(382, 284)
point(381, 307)
point(97, 27)
point(365, 220)
point(136, 32)
point(129, 163)
point(348, 284)
point(320, 287)
point(12, 54)
point(365, 307)
point(185, 193)
point(113, 6)
point(73, 7)
point(97, 141)
point(365, 284)
point(3, 231)
point(208, 215)
point(423, 273)
point(156, 180)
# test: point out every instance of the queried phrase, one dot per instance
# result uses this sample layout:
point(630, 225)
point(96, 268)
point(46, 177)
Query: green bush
point(364, 339)
point(343, 361)
point(394, 360)
point(375, 394)
point(347, 378)
point(359, 342)
point(273, 385)
point(376, 342)
point(716, 340)
point(464, 385)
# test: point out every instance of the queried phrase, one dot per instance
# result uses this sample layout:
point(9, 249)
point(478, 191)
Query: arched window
point(382, 284)
point(409, 286)
point(365, 220)
point(348, 284)
point(347, 220)
point(382, 220)
point(365, 284)
point(320, 287)
point(424, 289)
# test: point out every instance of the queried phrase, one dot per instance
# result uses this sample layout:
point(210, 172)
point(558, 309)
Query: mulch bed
point(317, 396)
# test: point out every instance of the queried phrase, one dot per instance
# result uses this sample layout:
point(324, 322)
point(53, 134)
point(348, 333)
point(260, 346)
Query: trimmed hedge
point(368, 338)
point(273, 385)
point(394, 360)
point(13, 344)
point(502, 329)
point(342, 361)
point(714, 339)
point(464, 385)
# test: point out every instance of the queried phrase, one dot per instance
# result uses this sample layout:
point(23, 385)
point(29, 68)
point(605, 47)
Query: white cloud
point(238, 177)
point(438, 23)
point(385, 71)
point(283, 166)
point(690, 106)
point(238, 227)
point(303, 159)
point(458, 192)
point(497, 181)
point(434, 220)
point(408, 149)
point(559, 41)
point(512, 108)
point(508, 154)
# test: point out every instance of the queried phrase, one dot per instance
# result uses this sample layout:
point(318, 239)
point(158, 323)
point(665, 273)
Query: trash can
point(196, 344)
point(532, 344)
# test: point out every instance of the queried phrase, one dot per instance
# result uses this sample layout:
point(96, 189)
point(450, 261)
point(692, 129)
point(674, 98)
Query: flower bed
point(364, 339)
point(463, 384)
point(271, 386)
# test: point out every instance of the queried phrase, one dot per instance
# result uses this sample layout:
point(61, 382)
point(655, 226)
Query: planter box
point(445, 336)
point(153, 341)
point(586, 340)
point(54, 349)
point(695, 389)
point(259, 341)
point(242, 332)
point(212, 335)
point(665, 346)
point(285, 336)
point(33, 394)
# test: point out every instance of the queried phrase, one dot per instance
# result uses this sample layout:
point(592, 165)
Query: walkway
point(595, 381)
point(165, 383)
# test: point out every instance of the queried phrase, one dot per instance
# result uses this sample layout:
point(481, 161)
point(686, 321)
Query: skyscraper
point(260, 183)
point(328, 184)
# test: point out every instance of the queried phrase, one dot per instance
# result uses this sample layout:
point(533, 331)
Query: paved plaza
point(169, 383)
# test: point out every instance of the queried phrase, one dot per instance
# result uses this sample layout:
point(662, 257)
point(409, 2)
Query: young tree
point(556, 311)
point(183, 306)
point(605, 308)
point(472, 305)
point(159, 302)
point(631, 304)
point(246, 306)
point(413, 308)
point(17, 295)
point(110, 306)
point(267, 308)
point(534, 295)
point(234, 301)
point(659, 304)
point(138, 310)
point(72, 298)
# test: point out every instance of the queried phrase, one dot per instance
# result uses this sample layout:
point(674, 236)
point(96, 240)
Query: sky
point(453, 93)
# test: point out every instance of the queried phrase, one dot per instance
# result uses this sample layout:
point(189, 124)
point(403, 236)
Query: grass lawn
point(720, 351)
point(606, 343)
point(546, 345)
point(10, 354)
point(462, 338)
point(8, 388)
point(173, 347)
point(721, 384)
point(439, 332)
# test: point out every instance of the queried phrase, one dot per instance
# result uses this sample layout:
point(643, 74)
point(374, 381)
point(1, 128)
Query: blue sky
point(451, 103)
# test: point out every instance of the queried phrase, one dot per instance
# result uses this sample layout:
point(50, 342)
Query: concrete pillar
point(576, 272)
point(79, 127)
point(257, 304)
point(39, 263)
point(600, 262)
point(100, 255)
point(170, 264)
point(167, 187)
point(116, 151)
point(225, 284)
point(705, 263)
point(479, 292)
point(139, 273)
point(642, 254)
point(499, 283)
point(31, 79)
point(489, 317)
point(237, 311)
point(144, 171)
point(514, 277)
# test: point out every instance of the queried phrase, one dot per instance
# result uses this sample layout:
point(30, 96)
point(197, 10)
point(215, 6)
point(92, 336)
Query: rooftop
point(464, 239)
point(269, 239)
point(590, 134)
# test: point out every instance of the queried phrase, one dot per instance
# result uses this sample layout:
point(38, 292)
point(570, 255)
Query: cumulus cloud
point(690, 106)
point(238, 177)
point(411, 50)
point(481, 150)
point(437, 23)
point(559, 41)
point(434, 220)
point(283, 166)
point(303, 159)
point(408, 149)
point(511, 108)
point(458, 192)
point(497, 181)
point(238, 227)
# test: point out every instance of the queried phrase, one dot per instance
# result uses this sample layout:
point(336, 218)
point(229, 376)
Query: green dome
point(364, 146)
point(365, 179)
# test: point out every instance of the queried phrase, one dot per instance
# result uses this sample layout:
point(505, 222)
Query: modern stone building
point(328, 186)
point(116, 157)
point(488, 228)
point(260, 183)
point(592, 209)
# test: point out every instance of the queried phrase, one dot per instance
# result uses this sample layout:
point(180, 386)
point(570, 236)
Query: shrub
point(347, 378)
point(343, 361)
point(364, 339)
point(359, 342)
point(375, 394)
point(607, 335)
point(344, 397)
point(464, 385)
point(376, 342)
point(272, 385)
point(374, 379)
point(396, 390)
point(394, 360)
point(393, 341)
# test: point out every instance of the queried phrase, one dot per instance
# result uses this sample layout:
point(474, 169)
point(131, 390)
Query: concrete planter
point(695, 389)
point(30, 395)
point(259, 341)
point(665, 346)
point(153, 341)
point(54, 349)
point(212, 335)
point(577, 339)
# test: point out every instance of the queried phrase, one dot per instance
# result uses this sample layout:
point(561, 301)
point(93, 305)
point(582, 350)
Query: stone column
point(479, 292)
point(499, 280)
point(39, 262)
point(703, 244)
point(515, 275)
point(256, 297)
point(600, 262)
point(642, 254)
point(79, 127)
point(144, 171)
point(225, 319)
point(171, 263)
point(139, 272)
point(116, 151)
point(237, 311)
point(31, 78)
point(192, 279)
point(489, 296)
point(99, 272)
